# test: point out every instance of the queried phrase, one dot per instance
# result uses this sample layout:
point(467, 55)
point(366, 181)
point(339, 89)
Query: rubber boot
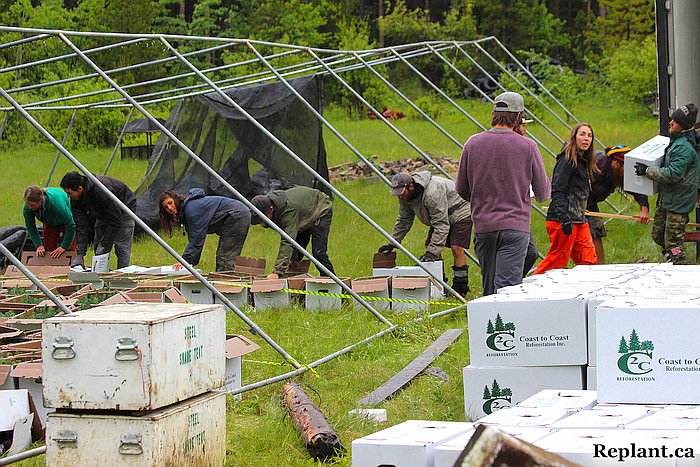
point(460, 282)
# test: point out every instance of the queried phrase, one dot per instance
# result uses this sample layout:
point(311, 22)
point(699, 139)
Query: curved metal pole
point(8, 254)
point(393, 127)
point(254, 327)
point(440, 91)
point(63, 143)
point(119, 140)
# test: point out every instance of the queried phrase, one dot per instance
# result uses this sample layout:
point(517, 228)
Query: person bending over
point(51, 206)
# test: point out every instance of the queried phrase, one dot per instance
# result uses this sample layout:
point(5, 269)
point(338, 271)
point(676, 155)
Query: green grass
point(257, 431)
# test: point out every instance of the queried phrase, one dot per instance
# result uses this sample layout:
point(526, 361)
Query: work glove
point(386, 249)
point(566, 226)
point(78, 261)
point(640, 169)
point(427, 257)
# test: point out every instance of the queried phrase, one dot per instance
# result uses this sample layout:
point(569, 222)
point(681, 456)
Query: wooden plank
point(413, 369)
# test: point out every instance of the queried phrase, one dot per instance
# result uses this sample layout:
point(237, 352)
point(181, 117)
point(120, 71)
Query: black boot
point(460, 282)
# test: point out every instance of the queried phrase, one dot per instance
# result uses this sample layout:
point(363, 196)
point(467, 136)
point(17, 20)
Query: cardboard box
point(14, 404)
point(250, 266)
point(31, 258)
point(196, 292)
point(524, 417)
point(268, 293)
point(447, 453)
point(525, 330)
point(236, 347)
point(646, 352)
point(235, 293)
point(579, 446)
point(323, 285)
point(410, 288)
point(650, 153)
point(572, 400)
point(408, 444)
point(670, 418)
point(592, 378)
point(137, 356)
point(435, 267)
point(42, 272)
point(373, 286)
point(170, 295)
point(513, 385)
point(612, 417)
point(28, 376)
point(192, 432)
point(384, 260)
point(298, 267)
point(6, 382)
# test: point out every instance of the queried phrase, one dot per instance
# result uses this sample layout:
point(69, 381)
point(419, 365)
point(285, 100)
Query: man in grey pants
point(495, 173)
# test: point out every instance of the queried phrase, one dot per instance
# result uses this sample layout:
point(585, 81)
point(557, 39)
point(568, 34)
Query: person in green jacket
point(304, 214)
point(678, 184)
point(52, 207)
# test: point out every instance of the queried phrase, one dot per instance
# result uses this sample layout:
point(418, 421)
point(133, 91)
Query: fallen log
point(318, 435)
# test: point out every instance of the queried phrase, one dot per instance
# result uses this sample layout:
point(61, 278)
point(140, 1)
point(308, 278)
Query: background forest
point(582, 46)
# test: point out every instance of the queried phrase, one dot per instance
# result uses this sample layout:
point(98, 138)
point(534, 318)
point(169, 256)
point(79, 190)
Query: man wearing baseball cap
point(678, 184)
point(435, 202)
point(611, 168)
point(495, 173)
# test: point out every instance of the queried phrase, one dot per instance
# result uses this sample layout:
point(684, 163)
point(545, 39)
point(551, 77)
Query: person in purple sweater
point(496, 171)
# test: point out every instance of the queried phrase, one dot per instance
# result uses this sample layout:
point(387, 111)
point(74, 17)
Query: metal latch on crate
point(130, 445)
point(66, 439)
point(127, 349)
point(63, 348)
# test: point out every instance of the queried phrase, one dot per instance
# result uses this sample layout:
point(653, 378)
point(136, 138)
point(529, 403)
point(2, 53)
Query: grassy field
point(258, 432)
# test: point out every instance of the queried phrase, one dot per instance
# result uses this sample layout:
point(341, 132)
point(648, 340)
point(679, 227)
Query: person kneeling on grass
point(305, 214)
point(52, 207)
point(201, 215)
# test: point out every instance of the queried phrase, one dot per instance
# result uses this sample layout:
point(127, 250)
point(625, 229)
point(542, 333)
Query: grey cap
point(399, 183)
point(263, 203)
point(509, 102)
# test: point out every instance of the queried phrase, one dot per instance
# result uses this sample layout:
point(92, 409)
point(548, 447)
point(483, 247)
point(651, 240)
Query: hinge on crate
point(63, 348)
point(127, 349)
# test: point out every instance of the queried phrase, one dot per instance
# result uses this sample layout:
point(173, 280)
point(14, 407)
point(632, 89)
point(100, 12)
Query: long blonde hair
point(588, 156)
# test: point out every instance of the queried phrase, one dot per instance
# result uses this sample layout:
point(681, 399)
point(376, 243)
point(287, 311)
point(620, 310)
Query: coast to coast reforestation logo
point(500, 336)
point(636, 356)
point(496, 398)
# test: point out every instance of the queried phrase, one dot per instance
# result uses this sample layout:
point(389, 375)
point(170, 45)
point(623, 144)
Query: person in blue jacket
point(201, 215)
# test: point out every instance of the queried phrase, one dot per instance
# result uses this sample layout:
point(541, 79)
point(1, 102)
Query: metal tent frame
point(269, 62)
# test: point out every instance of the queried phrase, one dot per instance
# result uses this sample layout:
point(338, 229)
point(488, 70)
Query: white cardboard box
point(592, 378)
point(373, 286)
point(235, 293)
point(514, 384)
point(646, 350)
point(268, 293)
point(650, 153)
point(236, 347)
point(408, 444)
point(323, 285)
point(14, 404)
point(579, 446)
point(435, 267)
point(192, 432)
point(524, 417)
point(524, 330)
point(138, 356)
point(410, 288)
point(613, 417)
point(561, 399)
point(674, 418)
point(196, 292)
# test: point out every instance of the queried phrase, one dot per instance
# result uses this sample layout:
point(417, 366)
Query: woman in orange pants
point(569, 234)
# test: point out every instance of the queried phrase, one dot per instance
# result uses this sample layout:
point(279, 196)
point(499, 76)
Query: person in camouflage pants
point(668, 232)
point(678, 184)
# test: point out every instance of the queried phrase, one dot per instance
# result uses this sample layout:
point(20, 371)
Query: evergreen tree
point(489, 328)
point(495, 389)
point(634, 341)
point(623, 346)
point(499, 323)
point(487, 394)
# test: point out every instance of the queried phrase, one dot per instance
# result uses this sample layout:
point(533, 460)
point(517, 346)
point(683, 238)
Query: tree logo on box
point(636, 356)
point(497, 398)
point(501, 336)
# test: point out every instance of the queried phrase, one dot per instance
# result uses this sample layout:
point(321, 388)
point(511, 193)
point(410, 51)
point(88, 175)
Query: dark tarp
point(143, 125)
point(237, 150)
